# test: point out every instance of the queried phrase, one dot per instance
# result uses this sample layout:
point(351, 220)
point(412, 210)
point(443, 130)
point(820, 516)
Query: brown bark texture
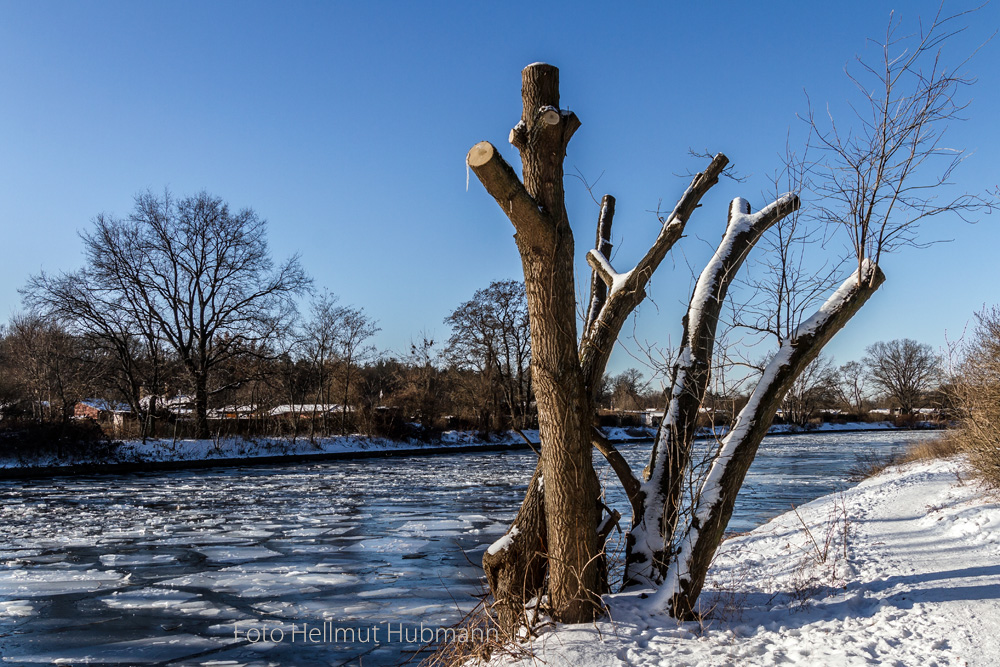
point(545, 242)
point(516, 574)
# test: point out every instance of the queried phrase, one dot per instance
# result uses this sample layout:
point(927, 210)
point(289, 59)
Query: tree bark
point(622, 469)
point(515, 566)
point(545, 242)
point(717, 497)
point(627, 290)
point(603, 245)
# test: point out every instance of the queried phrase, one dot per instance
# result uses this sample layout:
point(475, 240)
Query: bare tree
point(295, 386)
point(556, 529)
point(113, 321)
point(851, 382)
point(782, 286)
point(661, 549)
point(421, 388)
point(904, 369)
point(45, 364)
point(378, 380)
point(884, 172)
point(814, 387)
point(321, 332)
point(876, 183)
point(490, 336)
point(626, 390)
point(353, 328)
point(191, 275)
point(9, 391)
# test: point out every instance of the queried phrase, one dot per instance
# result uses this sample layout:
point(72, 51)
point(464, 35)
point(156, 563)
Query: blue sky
point(346, 126)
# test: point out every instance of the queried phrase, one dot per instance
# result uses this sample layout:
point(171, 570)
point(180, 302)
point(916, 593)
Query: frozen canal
point(190, 567)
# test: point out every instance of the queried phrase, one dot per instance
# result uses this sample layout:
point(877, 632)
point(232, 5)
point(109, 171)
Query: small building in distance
point(307, 410)
point(101, 410)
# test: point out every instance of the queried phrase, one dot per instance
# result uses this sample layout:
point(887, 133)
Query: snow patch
point(504, 542)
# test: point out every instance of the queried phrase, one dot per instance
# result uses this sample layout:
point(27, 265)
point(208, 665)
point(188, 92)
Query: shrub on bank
point(977, 397)
point(870, 463)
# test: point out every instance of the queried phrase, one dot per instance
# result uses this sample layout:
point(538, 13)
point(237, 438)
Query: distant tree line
point(182, 321)
point(899, 377)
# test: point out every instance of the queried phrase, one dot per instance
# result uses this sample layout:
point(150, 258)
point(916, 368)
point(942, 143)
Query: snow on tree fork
point(660, 496)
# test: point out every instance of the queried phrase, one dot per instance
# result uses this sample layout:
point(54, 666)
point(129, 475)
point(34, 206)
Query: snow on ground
point(231, 450)
point(903, 569)
point(238, 449)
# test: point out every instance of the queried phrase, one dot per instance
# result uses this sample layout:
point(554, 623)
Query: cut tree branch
point(598, 288)
point(602, 267)
point(598, 341)
point(499, 179)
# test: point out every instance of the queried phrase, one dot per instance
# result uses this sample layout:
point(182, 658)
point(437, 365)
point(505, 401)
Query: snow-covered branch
point(603, 267)
point(714, 505)
point(628, 291)
point(598, 288)
point(661, 495)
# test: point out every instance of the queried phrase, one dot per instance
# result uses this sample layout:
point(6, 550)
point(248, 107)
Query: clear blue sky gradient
point(346, 126)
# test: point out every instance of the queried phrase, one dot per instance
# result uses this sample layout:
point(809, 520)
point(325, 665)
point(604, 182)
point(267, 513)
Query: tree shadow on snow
point(864, 599)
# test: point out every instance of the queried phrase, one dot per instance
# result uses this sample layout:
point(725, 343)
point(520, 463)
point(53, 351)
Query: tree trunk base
point(515, 565)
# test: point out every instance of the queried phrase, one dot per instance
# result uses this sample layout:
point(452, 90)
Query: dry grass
point(476, 639)
point(986, 464)
point(871, 463)
point(977, 396)
point(985, 460)
point(942, 447)
point(981, 443)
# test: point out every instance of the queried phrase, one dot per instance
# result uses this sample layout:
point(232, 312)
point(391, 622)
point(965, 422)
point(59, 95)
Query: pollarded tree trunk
point(565, 376)
point(545, 242)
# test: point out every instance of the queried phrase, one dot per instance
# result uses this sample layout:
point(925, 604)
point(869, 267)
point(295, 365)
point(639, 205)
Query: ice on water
point(158, 567)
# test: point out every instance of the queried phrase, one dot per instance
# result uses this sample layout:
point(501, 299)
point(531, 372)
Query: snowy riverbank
point(913, 583)
point(165, 453)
